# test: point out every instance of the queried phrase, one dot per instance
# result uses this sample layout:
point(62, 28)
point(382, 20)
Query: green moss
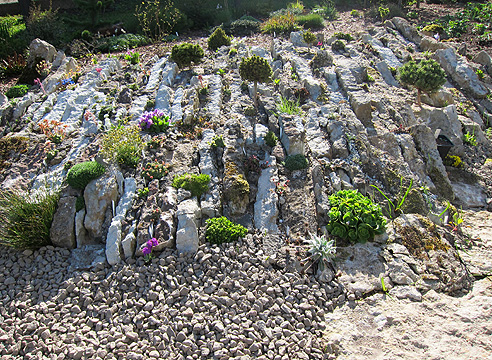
point(414, 203)
point(296, 162)
point(196, 184)
point(237, 188)
point(435, 29)
point(81, 174)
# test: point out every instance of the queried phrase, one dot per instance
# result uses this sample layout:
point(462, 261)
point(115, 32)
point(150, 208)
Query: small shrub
point(81, 174)
point(271, 139)
point(221, 229)
point(245, 27)
point(196, 184)
point(13, 65)
point(17, 91)
point(343, 36)
point(330, 11)
point(280, 24)
point(311, 21)
point(427, 76)
point(309, 37)
point(123, 145)
point(338, 46)
point(255, 69)
point(355, 13)
point(296, 162)
point(185, 54)
point(154, 121)
point(26, 218)
point(435, 29)
point(155, 170)
point(121, 43)
point(218, 39)
point(354, 216)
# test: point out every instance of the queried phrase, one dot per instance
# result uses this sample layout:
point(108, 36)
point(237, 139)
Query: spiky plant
point(255, 69)
point(321, 249)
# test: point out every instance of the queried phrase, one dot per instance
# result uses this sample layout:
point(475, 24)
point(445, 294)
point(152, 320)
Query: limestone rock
point(62, 231)
point(361, 105)
point(461, 72)
point(99, 196)
point(293, 134)
point(40, 49)
point(484, 59)
point(188, 215)
point(297, 39)
point(407, 29)
point(265, 209)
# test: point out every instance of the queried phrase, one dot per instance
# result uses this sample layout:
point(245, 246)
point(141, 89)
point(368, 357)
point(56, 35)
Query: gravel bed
point(227, 302)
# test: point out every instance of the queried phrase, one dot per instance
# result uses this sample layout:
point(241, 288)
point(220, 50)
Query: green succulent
point(221, 229)
point(354, 217)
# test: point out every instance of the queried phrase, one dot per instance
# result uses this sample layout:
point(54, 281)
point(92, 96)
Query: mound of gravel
point(225, 302)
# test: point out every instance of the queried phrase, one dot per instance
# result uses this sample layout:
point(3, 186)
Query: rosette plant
point(354, 217)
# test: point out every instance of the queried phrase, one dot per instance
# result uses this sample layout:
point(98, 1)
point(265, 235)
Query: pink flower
point(99, 70)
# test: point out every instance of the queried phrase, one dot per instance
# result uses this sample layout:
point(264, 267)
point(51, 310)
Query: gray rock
point(129, 243)
point(266, 211)
point(406, 29)
point(484, 59)
point(430, 44)
point(163, 98)
point(319, 146)
point(361, 104)
point(188, 215)
point(155, 74)
point(385, 72)
point(293, 134)
point(87, 257)
point(40, 49)
point(260, 132)
point(80, 231)
point(125, 95)
point(297, 39)
point(99, 196)
point(458, 69)
point(62, 231)
point(445, 119)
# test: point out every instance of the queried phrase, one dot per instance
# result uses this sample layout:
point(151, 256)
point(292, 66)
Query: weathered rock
point(385, 72)
point(430, 44)
point(440, 98)
point(266, 211)
point(407, 29)
point(99, 196)
point(458, 69)
point(484, 59)
point(361, 105)
point(40, 49)
point(319, 146)
point(62, 231)
point(155, 74)
point(445, 119)
point(80, 231)
point(297, 39)
point(129, 243)
point(51, 83)
point(293, 134)
point(188, 215)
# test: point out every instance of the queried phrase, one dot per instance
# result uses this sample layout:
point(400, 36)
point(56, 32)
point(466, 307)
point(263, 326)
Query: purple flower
point(154, 242)
point(147, 250)
point(437, 37)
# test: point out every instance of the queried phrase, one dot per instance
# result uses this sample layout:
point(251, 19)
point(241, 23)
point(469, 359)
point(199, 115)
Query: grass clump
point(196, 184)
point(354, 216)
point(81, 174)
point(123, 145)
point(17, 91)
point(26, 218)
point(311, 21)
point(218, 39)
point(296, 162)
point(221, 229)
point(286, 106)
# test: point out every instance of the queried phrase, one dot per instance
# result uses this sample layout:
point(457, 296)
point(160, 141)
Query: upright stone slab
point(266, 210)
point(62, 231)
point(188, 215)
point(293, 134)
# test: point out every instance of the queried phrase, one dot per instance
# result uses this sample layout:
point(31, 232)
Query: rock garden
point(283, 196)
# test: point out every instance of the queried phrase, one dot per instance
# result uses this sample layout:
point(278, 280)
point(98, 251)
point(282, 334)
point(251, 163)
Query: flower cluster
point(89, 116)
point(132, 56)
point(43, 68)
point(155, 214)
point(281, 188)
point(154, 121)
point(147, 250)
point(155, 170)
point(53, 129)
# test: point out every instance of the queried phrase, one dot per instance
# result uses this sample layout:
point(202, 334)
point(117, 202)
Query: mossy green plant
point(221, 229)
point(185, 54)
point(296, 162)
point(123, 145)
point(218, 39)
point(83, 173)
point(271, 139)
point(17, 91)
point(196, 184)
